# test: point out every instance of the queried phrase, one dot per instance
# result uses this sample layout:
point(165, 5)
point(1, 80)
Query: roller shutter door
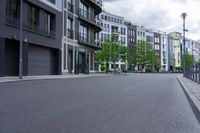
point(41, 60)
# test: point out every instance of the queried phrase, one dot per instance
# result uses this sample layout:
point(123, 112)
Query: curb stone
point(193, 101)
point(50, 78)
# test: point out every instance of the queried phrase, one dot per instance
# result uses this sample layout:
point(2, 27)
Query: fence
point(193, 72)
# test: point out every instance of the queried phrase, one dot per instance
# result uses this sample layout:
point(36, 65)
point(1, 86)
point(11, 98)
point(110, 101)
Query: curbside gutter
point(192, 99)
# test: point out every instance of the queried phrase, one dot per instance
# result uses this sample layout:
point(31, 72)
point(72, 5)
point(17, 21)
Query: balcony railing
point(86, 15)
point(70, 33)
point(83, 38)
point(89, 17)
point(11, 20)
point(70, 7)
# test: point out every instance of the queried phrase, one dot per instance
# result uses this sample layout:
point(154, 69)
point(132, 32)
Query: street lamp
point(183, 15)
point(21, 42)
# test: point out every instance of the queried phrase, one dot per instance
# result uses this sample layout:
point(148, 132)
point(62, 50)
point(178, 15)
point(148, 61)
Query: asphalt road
point(152, 103)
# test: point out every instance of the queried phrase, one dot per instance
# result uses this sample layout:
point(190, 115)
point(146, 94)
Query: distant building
point(164, 52)
point(113, 25)
point(157, 44)
point(175, 48)
point(131, 41)
point(196, 51)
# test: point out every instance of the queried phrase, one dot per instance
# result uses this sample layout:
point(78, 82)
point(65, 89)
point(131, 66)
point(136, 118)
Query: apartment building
point(41, 37)
point(164, 52)
point(141, 33)
point(149, 37)
point(175, 48)
point(157, 44)
point(113, 25)
point(131, 41)
point(79, 43)
point(196, 51)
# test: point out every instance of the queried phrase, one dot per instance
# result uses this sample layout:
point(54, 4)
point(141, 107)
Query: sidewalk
point(43, 77)
point(192, 92)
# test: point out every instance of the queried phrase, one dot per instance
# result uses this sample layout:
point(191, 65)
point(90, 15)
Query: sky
point(164, 15)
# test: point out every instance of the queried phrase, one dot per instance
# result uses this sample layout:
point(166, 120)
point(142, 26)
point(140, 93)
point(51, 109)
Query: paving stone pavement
point(192, 86)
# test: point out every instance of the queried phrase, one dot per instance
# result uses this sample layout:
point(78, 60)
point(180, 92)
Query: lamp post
point(183, 15)
point(21, 43)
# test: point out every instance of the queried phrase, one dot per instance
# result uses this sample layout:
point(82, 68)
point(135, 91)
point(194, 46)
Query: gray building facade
point(42, 33)
point(79, 43)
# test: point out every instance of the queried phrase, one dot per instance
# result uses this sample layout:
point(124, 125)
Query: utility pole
point(183, 15)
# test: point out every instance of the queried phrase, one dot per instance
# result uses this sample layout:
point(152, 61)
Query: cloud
point(164, 15)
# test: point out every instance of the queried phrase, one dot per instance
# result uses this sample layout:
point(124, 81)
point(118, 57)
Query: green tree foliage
point(144, 55)
point(188, 59)
point(110, 52)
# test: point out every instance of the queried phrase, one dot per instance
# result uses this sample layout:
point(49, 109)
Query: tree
point(144, 56)
point(103, 55)
point(188, 59)
point(111, 52)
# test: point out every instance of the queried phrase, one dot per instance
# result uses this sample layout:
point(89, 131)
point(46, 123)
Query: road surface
point(136, 103)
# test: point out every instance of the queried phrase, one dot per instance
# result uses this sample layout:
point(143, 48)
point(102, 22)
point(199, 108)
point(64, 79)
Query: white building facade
point(164, 52)
point(113, 25)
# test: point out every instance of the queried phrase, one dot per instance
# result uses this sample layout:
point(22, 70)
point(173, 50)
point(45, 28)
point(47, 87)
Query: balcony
point(115, 32)
point(89, 41)
point(15, 22)
point(70, 7)
point(70, 33)
point(98, 5)
point(90, 18)
point(52, 1)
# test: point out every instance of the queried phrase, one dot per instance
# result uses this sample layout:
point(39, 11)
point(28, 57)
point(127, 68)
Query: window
point(33, 16)
point(13, 8)
point(70, 6)
point(105, 17)
point(164, 54)
point(101, 16)
point(83, 34)
point(157, 47)
point(157, 40)
point(149, 38)
point(84, 10)
point(101, 37)
point(70, 28)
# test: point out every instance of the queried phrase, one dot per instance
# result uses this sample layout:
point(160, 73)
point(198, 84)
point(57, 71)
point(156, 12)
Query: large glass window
point(84, 10)
point(70, 5)
point(13, 8)
point(70, 28)
point(83, 33)
point(32, 15)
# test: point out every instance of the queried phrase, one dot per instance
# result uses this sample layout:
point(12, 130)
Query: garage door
point(41, 60)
